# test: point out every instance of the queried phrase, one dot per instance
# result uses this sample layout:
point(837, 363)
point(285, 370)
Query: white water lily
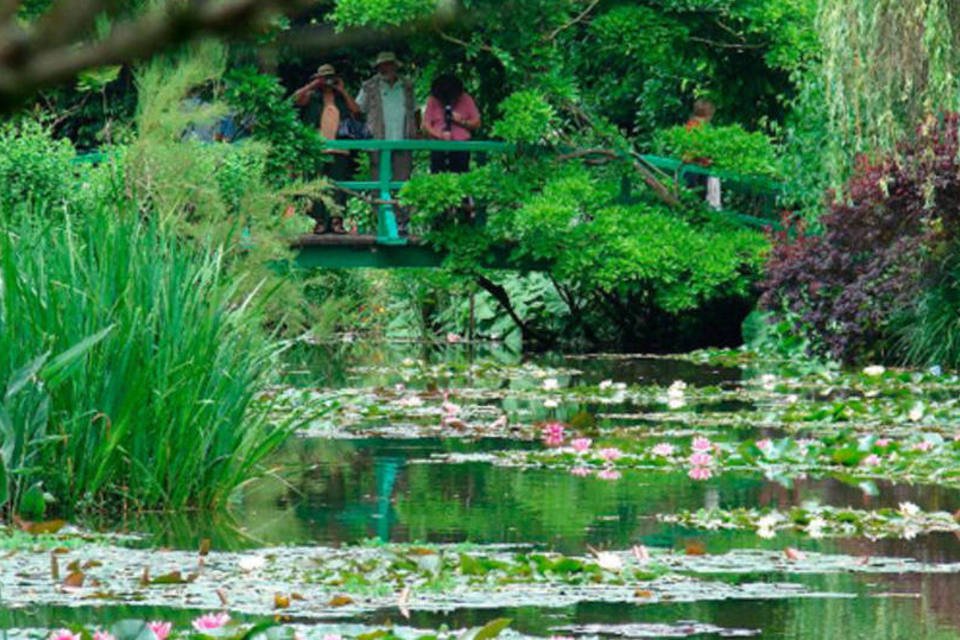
point(874, 370)
point(609, 561)
point(766, 532)
point(410, 401)
point(816, 526)
point(551, 384)
point(249, 564)
point(909, 509)
point(606, 384)
point(916, 412)
point(677, 389)
point(550, 403)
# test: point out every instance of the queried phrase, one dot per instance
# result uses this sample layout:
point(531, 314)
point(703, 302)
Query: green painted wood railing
point(386, 187)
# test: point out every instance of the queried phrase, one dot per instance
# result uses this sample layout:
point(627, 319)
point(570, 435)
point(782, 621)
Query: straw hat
point(384, 57)
point(325, 70)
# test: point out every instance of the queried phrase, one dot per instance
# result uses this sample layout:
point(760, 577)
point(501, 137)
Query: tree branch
point(51, 63)
point(553, 34)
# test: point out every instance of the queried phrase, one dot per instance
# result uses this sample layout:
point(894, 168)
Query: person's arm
point(347, 98)
point(430, 120)
point(470, 117)
point(301, 97)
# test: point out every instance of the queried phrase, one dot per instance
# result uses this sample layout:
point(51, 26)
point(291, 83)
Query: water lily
point(333, 636)
point(924, 445)
point(871, 460)
point(610, 454)
point(916, 412)
point(249, 564)
point(874, 370)
point(64, 634)
point(663, 449)
point(453, 338)
point(909, 509)
point(816, 526)
point(580, 472)
point(700, 473)
point(765, 445)
point(701, 459)
point(608, 473)
point(677, 389)
point(550, 403)
point(701, 444)
point(768, 381)
point(551, 384)
point(160, 629)
point(103, 635)
point(606, 384)
point(581, 444)
point(883, 442)
point(553, 434)
point(211, 622)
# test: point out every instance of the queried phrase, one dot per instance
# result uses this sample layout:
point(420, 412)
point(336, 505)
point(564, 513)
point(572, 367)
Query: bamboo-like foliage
point(161, 412)
point(887, 64)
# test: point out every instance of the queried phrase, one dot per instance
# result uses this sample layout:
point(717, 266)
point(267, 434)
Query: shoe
point(336, 226)
point(320, 228)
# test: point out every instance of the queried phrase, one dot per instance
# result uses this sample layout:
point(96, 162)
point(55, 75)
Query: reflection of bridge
point(752, 202)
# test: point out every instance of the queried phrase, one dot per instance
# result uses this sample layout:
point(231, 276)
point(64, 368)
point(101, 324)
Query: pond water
point(376, 466)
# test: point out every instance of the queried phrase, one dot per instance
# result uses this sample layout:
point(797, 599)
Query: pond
point(440, 488)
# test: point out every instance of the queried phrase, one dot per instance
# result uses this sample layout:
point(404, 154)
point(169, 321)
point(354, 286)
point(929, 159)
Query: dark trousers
point(341, 167)
point(449, 162)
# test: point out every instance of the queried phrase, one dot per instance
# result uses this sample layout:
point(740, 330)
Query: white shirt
point(394, 101)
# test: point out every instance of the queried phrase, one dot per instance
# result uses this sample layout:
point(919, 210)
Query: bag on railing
point(353, 129)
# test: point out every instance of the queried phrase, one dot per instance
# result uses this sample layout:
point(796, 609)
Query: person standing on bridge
point(703, 112)
point(391, 108)
point(451, 114)
point(329, 105)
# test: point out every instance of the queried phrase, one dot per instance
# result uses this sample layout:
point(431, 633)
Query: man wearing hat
point(327, 104)
point(391, 110)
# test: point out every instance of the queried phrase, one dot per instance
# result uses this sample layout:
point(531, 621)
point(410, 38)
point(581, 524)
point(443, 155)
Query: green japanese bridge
point(757, 200)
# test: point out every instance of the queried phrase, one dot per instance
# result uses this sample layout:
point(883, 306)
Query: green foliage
point(295, 147)
point(382, 13)
point(152, 399)
point(729, 148)
point(34, 167)
point(527, 117)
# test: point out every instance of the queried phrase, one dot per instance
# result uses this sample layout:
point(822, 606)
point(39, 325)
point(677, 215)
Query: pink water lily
point(701, 444)
point(211, 622)
point(701, 459)
point(610, 454)
point(883, 442)
point(160, 629)
point(663, 449)
point(926, 445)
point(700, 473)
point(580, 472)
point(64, 634)
point(608, 473)
point(871, 460)
point(333, 636)
point(553, 434)
point(103, 635)
point(764, 445)
point(581, 444)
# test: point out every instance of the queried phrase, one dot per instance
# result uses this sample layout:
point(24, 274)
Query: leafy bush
point(729, 148)
point(853, 288)
point(33, 166)
point(161, 408)
point(527, 117)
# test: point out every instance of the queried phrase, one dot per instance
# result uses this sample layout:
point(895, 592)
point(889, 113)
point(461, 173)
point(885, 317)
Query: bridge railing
point(764, 193)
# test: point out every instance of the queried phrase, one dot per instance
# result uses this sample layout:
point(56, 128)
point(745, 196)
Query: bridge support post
point(387, 231)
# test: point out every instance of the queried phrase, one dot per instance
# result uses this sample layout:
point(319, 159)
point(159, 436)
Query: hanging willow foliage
point(887, 64)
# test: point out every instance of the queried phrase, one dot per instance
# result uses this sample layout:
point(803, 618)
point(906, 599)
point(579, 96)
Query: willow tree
point(887, 65)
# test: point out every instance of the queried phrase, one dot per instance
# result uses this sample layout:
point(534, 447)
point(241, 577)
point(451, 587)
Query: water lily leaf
point(74, 579)
point(373, 635)
point(268, 631)
point(174, 577)
point(340, 601)
point(131, 630)
point(488, 631)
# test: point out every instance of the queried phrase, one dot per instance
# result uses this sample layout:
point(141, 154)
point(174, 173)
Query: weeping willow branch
point(887, 65)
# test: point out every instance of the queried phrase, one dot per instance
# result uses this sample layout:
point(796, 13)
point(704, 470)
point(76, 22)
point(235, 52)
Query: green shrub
point(527, 117)
point(162, 412)
point(729, 148)
point(34, 167)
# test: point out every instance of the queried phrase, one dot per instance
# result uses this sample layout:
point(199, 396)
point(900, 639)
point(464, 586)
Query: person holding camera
point(331, 108)
point(451, 114)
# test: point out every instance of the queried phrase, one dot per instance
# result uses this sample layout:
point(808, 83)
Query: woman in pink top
point(451, 114)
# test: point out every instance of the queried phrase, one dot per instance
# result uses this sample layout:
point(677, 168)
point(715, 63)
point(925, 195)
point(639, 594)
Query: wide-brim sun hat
point(325, 70)
point(386, 56)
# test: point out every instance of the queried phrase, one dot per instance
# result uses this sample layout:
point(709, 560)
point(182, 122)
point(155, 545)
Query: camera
point(448, 116)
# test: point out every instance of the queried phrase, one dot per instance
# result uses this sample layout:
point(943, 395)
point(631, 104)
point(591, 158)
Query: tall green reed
point(161, 408)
